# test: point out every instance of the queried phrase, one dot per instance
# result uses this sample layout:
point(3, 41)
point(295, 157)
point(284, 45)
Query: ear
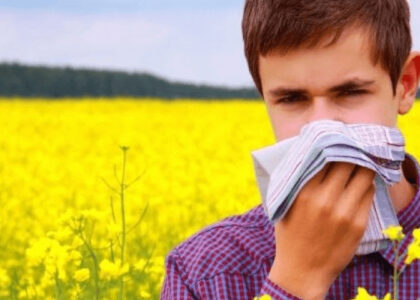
point(409, 82)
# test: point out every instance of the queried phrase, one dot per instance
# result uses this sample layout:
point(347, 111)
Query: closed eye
point(352, 92)
point(295, 98)
point(289, 99)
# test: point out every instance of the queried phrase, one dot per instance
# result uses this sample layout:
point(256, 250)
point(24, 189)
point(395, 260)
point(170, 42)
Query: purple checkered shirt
point(231, 259)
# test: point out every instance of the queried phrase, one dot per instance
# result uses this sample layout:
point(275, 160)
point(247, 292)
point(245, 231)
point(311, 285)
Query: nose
point(322, 108)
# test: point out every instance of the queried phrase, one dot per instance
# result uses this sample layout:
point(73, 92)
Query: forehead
point(349, 56)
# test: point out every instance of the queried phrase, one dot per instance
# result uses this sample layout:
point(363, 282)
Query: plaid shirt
point(232, 258)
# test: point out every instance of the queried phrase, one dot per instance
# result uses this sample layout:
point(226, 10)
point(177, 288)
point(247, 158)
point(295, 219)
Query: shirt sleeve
point(174, 286)
point(276, 292)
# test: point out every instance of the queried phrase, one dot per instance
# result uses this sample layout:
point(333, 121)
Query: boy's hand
point(319, 235)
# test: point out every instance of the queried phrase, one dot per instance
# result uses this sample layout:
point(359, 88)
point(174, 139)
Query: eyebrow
point(346, 85)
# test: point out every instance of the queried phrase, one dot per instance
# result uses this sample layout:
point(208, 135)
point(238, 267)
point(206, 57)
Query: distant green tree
point(56, 82)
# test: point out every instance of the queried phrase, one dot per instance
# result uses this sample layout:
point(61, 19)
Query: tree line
point(19, 80)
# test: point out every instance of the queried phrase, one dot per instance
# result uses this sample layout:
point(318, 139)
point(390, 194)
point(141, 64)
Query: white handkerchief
point(283, 169)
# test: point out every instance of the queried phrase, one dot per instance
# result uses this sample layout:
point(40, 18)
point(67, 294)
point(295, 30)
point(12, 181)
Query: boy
point(346, 60)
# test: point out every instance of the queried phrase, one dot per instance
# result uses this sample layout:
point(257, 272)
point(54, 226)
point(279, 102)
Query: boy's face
point(316, 71)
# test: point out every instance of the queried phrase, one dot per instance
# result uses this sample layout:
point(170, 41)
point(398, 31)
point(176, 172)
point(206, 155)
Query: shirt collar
point(409, 216)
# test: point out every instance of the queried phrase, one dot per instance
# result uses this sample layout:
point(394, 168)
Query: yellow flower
point(74, 292)
point(81, 275)
point(394, 233)
point(4, 278)
point(413, 252)
point(140, 264)
point(112, 270)
point(47, 281)
point(31, 292)
point(144, 294)
point(75, 256)
point(113, 229)
point(362, 294)
point(263, 297)
point(77, 242)
point(36, 253)
point(387, 296)
point(93, 214)
point(416, 234)
point(63, 234)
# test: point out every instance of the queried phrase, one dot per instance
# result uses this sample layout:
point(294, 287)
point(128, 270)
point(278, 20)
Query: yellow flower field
point(95, 192)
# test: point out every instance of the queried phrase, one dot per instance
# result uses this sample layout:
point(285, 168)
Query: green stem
point(95, 265)
point(395, 271)
point(57, 286)
point(112, 251)
point(123, 233)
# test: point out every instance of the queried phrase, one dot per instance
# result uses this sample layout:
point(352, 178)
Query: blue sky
point(183, 40)
point(96, 6)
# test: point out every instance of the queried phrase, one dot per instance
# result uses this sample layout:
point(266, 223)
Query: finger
point(326, 170)
point(354, 192)
point(336, 178)
point(318, 177)
point(311, 184)
point(360, 182)
point(353, 172)
point(362, 212)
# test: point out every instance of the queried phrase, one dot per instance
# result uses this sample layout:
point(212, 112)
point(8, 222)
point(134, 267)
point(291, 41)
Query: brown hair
point(282, 25)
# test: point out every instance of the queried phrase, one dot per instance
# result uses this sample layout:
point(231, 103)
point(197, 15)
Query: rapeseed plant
point(396, 235)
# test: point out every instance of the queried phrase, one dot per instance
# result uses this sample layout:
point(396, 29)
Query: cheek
point(378, 113)
point(285, 128)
